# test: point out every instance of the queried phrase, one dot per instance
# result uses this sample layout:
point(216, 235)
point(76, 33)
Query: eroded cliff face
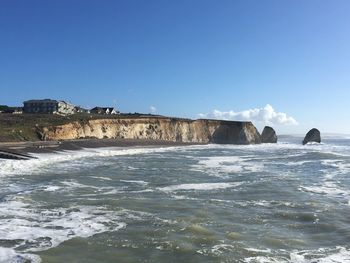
point(166, 129)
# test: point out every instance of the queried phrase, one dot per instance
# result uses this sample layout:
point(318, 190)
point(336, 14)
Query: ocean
point(279, 202)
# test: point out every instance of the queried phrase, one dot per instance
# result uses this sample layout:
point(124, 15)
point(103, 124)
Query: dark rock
point(5, 154)
point(313, 135)
point(249, 134)
point(232, 132)
point(268, 135)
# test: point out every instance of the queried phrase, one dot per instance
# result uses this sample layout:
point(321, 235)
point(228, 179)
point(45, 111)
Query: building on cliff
point(13, 110)
point(79, 109)
point(48, 106)
point(104, 110)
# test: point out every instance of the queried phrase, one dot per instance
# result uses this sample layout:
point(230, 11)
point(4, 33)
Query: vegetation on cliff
point(24, 127)
point(145, 127)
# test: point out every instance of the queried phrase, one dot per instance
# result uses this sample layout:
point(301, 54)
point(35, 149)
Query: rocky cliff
point(155, 128)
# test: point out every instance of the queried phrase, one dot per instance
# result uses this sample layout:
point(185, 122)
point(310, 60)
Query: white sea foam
point(77, 159)
point(299, 163)
point(51, 188)
point(71, 185)
point(222, 249)
point(9, 255)
point(265, 203)
point(340, 166)
point(199, 186)
point(135, 182)
point(74, 159)
point(183, 197)
point(266, 250)
point(143, 191)
point(329, 184)
point(261, 203)
point(322, 255)
point(74, 184)
point(221, 166)
point(101, 178)
point(44, 228)
point(328, 188)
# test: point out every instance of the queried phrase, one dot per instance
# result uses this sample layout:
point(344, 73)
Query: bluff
point(155, 128)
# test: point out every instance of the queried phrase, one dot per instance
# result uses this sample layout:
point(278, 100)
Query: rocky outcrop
point(6, 154)
point(156, 128)
point(268, 135)
point(313, 135)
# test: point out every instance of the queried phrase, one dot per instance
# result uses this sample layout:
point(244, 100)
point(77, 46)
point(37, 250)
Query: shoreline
point(54, 146)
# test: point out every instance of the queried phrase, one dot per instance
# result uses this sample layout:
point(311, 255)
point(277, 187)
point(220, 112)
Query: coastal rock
point(156, 128)
point(313, 135)
point(7, 154)
point(249, 134)
point(268, 135)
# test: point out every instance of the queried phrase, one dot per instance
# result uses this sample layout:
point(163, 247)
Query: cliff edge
point(155, 128)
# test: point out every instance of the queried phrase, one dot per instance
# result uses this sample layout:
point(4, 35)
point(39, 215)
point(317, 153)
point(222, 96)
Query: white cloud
point(153, 109)
point(266, 115)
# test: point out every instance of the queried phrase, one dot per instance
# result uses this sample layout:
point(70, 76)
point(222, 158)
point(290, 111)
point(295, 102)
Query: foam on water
point(140, 182)
point(76, 159)
point(9, 255)
point(35, 228)
point(340, 166)
point(322, 255)
point(46, 162)
point(214, 183)
point(222, 248)
point(51, 188)
point(328, 188)
point(101, 178)
point(329, 184)
point(199, 186)
point(220, 166)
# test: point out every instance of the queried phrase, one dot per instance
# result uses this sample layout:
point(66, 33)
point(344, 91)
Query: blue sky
point(184, 58)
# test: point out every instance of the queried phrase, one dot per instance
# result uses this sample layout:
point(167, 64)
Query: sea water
point(279, 202)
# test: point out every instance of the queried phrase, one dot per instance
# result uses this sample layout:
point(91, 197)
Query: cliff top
point(22, 127)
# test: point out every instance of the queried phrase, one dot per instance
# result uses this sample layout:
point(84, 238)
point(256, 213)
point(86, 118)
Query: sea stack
point(313, 135)
point(268, 135)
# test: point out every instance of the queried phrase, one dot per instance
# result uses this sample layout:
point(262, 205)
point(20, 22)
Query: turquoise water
point(214, 203)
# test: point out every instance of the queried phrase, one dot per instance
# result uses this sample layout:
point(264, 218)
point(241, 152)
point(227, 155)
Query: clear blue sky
point(183, 57)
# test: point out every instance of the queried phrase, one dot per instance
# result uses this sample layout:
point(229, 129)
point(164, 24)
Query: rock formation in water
point(268, 135)
point(313, 135)
point(156, 128)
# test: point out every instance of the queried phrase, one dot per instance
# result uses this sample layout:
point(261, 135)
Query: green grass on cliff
point(22, 127)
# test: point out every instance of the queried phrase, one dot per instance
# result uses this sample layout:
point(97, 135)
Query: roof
point(65, 102)
point(39, 101)
point(103, 108)
point(48, 101)
point(97, 108)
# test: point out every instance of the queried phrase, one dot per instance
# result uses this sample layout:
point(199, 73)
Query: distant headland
point(57, 120)
point(41, 120)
